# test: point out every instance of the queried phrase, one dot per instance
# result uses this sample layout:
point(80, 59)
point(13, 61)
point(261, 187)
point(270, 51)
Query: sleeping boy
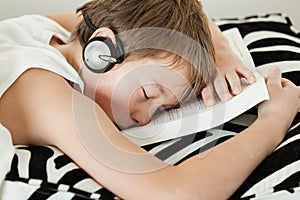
point(124, 60)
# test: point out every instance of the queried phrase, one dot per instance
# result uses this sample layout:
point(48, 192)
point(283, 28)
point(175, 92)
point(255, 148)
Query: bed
point(44, 172)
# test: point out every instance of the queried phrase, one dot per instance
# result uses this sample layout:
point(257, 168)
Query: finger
point(208, 95)
point(274, 79)
point(247, 74)
point(299, 96)
point(287, 83)
point(234, 82)
point(221, 88)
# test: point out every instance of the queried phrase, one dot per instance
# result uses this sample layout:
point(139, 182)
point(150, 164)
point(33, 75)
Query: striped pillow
point(271, 40)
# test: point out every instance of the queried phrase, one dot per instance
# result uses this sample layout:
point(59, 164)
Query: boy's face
point(133, 91)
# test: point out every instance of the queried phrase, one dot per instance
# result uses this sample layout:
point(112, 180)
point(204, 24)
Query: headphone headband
point(89, 23)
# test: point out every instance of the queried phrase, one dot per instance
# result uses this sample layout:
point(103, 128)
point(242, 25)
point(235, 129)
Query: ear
point(105, 33)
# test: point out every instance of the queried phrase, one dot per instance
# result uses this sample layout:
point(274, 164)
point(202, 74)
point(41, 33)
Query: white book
point(194, 116)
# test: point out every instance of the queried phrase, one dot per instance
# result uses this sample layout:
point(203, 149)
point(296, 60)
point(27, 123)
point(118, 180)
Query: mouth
point(133, 123)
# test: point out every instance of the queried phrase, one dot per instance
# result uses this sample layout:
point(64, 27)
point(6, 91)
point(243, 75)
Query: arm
point(46, 116)
point(229, 69)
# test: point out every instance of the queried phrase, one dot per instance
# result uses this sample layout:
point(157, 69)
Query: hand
point(284, 100)
point(227, 80)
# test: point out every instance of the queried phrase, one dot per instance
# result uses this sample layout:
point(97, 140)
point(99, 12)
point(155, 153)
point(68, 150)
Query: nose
point(144, 116)
point(143, 120)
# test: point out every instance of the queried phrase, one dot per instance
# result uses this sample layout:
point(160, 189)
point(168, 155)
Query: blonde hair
point(183, 18)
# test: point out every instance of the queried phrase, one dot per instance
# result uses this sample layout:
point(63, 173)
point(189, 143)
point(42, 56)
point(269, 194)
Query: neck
point(72, 53)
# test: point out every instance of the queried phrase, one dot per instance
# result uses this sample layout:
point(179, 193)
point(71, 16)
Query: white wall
point(233, 8)
point(12, 8)
point(214, 8)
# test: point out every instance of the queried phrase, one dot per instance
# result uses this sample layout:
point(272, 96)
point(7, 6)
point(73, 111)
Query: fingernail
point(225, 96)
point(210, 102)
point(228, 96)
point(236, 90)
point(252, 79)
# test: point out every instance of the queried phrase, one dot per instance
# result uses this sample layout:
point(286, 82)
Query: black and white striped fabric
point(44, 172)
point(271, 39)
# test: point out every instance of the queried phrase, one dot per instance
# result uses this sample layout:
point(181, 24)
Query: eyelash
point(145, 94)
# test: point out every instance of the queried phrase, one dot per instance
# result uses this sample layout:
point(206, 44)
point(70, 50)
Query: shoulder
point(39, 102)
point(66, 20)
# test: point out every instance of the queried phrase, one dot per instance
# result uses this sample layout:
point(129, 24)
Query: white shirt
point(24, 44)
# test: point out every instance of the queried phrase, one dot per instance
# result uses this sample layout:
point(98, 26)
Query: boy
point(42, 104)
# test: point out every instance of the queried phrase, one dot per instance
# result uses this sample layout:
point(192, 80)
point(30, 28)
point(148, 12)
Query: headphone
point(100, 54)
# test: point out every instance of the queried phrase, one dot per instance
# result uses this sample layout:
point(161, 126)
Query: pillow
point(272, 41)
point(45, 172)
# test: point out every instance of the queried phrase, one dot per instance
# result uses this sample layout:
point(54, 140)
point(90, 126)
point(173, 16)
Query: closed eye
point(145, 94)
point(169, 107)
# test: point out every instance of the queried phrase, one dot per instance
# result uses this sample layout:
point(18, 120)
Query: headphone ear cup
point(99, 54)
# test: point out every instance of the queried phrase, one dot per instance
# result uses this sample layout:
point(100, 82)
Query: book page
point(238, 46)
point(194, 116)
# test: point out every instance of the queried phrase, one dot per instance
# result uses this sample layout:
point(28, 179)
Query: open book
point(194, 117)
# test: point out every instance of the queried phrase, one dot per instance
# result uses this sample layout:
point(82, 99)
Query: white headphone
point(100, 54)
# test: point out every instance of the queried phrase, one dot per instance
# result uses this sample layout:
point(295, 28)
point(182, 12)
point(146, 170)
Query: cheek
point(120, 97)
point(122, 104)
point(134, 102)
point(103, 99)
